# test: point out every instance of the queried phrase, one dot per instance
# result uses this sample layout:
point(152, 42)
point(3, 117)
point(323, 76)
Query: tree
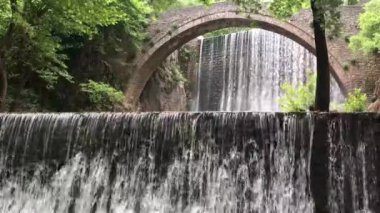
point(368, 39)
point(6, 27)
point(3, 86)
point(322, 94)
point(37, 39)
point(325, 17)
point(51, 48)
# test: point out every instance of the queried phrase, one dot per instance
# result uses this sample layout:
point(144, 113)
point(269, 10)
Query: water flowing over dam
point(244, 71)
point(187, 162)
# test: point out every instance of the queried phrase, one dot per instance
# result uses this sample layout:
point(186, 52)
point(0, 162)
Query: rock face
point(375, 106)
point(170, 89)
point(158, 97)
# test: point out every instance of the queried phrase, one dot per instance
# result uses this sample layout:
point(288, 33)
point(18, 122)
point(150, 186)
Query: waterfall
point(154, 163)
point(244, 71)
point(183, 162)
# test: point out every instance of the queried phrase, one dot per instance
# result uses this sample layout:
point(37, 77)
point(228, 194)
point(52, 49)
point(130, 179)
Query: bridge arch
point(180, 31)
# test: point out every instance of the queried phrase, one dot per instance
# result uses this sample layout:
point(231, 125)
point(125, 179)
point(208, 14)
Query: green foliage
point(162, 5)
point(30, 100)
point(356, 102)
point(49, 46)
point(173, 74)
point(285, 9)
point(177, 74)
point(368, 39)
point(251, 6)
point(41, 39)
point(298, 98)
point(5, 16)
point(102, 95)
point(301, 98)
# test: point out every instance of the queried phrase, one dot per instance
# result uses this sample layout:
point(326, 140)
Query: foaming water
point(244, 71)
point(184, 162)
point(154, 163)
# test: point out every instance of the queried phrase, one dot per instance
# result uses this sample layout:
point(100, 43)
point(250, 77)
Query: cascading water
point(153, 163)
point(354, 169)
point(244, 71)
point(183, 162)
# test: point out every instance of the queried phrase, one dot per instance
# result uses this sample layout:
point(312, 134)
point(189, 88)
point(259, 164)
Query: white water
point(183, 162)
point(154, 163)
point(244, 71)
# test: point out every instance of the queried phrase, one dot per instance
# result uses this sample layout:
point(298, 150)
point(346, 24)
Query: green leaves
point(368, 39)
point(81, 17)
point(163, 5)
point(102, 95)
point(250, 6)
point(285, 8)
point(301, 98)
point(356, 102)
point(40, 39)
point(329, 9)
point(5, 16)
point(48, 45)
point(298, 98)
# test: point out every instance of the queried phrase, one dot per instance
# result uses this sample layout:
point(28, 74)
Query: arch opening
point(169, 41)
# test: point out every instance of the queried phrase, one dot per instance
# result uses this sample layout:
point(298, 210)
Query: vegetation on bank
point(102, 95)
point(356, 101)
point(301, 98)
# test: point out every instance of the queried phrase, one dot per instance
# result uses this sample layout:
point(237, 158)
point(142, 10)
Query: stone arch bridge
point(175, 28)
